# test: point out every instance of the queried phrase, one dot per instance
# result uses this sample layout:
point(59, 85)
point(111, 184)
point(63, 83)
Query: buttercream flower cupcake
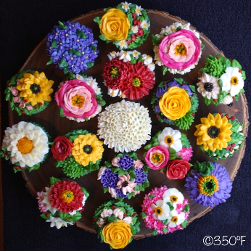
point(209, 184)
point(125, 126)
point(62, 202)
point(115, 223)
point(169, 152)
point(126, 26)
point(26, 146)
point(79, 99)
point(165, 210)
point(221, 80)
point(175, 103)
point(29, 92)
point(177, 48)
point(124, 176)
point(219, 135)
point(129, 74)
point(77, 153)
point(71, 47)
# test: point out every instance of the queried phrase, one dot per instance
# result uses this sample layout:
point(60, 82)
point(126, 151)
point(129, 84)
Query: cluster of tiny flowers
point(125, 162)
point(140, 176)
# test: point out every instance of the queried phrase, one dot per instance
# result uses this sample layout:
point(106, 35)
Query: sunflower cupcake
point(62, 202)
point(115, 223)
point(175, 102)
point(124, 176)
point(26, 146)
point(219, 135)
point(29, 92)
point(77, 153)
point(221, 80)
point(126, 26)
point(208, 184)
point(129, 74)
point(165, 210)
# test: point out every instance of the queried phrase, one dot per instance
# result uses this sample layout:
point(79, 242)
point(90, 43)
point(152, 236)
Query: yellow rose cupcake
point(127, 26)
point(175, 103)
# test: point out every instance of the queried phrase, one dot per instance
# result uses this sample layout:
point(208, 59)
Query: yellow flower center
point(157, 158)
point(180, 49)
point(67, 196)
point(234, 81)
point(169, 140)
point(136, 82)
point(174, 219)
point(173, 199)
point(158, 211)
point(25, 145)
point(208, 185)
point(78, 101)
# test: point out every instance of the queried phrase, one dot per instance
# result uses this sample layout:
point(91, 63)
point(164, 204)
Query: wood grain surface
point(56, 125)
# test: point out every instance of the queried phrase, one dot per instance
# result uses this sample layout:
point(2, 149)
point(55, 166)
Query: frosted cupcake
point(177, 48)
point(29, 92)
point(175, 103)
point(221, 80)
point(126, 26)
point(62, 202)
point(115, 223)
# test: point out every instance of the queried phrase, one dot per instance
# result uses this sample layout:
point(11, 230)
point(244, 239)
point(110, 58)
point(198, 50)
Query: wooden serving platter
point(56, 126)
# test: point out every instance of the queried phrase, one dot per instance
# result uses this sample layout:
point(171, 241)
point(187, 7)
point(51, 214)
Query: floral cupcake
point(126, 26)
point(165, 210)
point(25, 145)
point(71, 47)
point(124, 126)
point(219, 135)
point(175, 103)
point(129, 74)
point(124, 176)
point(62, 202)
point(221, 80)
point(115, 223)
point(209, 184)
point(29, 92)
point(77, 153)
point(177, 48)
point(169, 152)
point(79, 99)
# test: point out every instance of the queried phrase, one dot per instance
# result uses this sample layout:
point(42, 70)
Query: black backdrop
point(23, 25)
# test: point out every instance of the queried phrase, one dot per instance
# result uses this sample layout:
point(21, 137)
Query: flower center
point(174, 219)
point(234, 81)
point(124, 184)
point(78, 101)
point(67, 196)
point(136, 82)
point(208, 185)
point(35, 88)
point(25, 145)
point(158, 210)
point(180, 49)
point(208, 86)
point(173, 199)
point(157, 158)
point(213, 131)
point(169, 140)
point(87, 149)
point(114, 72)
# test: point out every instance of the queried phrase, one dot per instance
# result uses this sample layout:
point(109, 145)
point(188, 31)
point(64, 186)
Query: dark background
point(23, 25)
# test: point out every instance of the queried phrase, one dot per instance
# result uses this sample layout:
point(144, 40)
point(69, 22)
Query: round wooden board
point(55, 125)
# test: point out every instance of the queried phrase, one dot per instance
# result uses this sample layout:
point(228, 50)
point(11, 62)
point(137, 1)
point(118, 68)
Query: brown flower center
point(234, 81)
point(174, 219)
point(173, 199)
point(169, 140)
point(213, 131)
point(208, 86)
point(35, 88)
point(87, 149)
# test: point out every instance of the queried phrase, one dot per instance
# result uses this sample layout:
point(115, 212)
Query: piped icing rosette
point(177, 48)
point(115, 223)
point(169, 152)
point(221, 80)
point(29, 92)
point(77, 153)
point(165, 210)
point(175, 103)
point(208, 184)
point(71, 47)
point(129, 74)
point(124, 176)
point(62, 202)
point(219, 135)
point(124, 126)
point(126, 26)
point(79, 99)
point(25, 145)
